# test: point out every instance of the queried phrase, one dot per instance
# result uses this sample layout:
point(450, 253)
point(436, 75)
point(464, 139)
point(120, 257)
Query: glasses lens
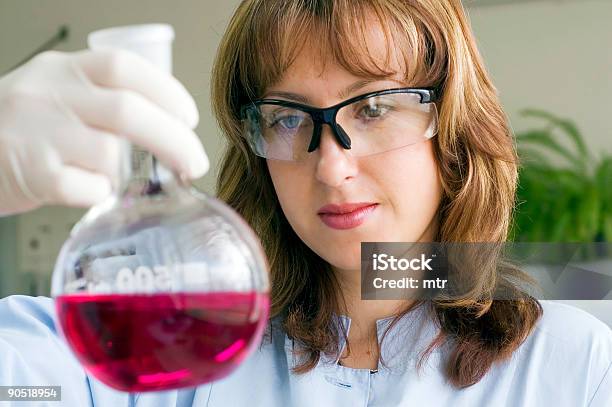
point(386, 122)
point(278, 132)
point(374, 125)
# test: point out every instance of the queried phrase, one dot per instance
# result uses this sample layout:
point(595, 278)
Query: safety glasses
point(367, 124)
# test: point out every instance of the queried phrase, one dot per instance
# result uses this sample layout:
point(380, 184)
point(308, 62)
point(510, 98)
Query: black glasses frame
point(327, 115)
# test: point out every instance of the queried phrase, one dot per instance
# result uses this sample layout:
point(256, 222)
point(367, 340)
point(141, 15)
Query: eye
point(282, 119)
point(373, 111)
point(289, 122)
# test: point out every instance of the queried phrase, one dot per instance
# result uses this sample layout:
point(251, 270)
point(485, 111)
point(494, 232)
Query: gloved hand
point(62, 116)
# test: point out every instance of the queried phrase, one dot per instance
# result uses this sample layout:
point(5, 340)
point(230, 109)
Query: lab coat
point(566, 361)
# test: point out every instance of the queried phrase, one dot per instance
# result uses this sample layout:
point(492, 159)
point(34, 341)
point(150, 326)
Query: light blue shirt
point(566, 361)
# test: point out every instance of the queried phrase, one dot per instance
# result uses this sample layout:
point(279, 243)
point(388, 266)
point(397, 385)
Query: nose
point(335, 165)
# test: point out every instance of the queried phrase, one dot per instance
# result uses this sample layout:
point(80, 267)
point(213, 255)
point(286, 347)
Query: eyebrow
point(342, 95)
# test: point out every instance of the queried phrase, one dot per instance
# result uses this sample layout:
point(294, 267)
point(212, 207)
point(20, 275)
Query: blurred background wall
point(550, 54)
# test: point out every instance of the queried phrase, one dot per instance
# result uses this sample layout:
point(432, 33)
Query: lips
point(343, 208)
point(346, 216)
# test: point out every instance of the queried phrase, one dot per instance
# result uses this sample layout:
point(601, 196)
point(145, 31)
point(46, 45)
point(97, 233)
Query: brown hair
point(474, 149)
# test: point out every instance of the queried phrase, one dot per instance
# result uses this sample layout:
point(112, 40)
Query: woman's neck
point(363, 335)
point(364, 313)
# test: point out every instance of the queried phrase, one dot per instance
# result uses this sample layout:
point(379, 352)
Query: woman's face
point(403, 183)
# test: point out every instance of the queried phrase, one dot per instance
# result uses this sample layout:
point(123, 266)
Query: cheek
point(406, 183)
point(291, 186)
point(411, 184)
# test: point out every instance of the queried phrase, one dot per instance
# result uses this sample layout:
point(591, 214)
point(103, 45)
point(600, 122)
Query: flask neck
point(141, 174)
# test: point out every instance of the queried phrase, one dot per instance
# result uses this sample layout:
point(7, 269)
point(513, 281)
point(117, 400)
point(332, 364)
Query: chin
point(344, 263)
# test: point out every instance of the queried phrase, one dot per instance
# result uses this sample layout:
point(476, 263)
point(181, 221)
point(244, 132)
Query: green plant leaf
point(559, 228)
point(530, 156)
point(607, 227)
point(588, 213)
point(603, 177)
point(566, 125)
point(563, 203)
point(544, 139)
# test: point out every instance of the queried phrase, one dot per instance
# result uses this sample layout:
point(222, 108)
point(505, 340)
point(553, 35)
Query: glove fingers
point(92, 150)
point(74, 186)
point(120, 69)
point(99, 153)
point(130, 115)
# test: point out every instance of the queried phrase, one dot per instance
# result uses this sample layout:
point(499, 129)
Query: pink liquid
point(155, 342)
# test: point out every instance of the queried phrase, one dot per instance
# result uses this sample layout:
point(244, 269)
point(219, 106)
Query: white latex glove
point(62, 116)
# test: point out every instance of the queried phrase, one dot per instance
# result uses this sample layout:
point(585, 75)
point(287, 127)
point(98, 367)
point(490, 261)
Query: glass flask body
point(161, 287)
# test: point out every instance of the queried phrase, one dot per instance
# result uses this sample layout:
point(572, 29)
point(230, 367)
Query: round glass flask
point(160, 286)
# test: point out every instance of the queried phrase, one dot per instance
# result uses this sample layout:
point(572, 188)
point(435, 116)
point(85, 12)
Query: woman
point(442, 169)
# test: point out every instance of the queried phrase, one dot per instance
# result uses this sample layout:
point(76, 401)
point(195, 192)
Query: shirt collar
point(410, 330)
point(404, 342)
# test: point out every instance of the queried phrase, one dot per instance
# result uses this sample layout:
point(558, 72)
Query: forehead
point(304, 44)
point(372, 54)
